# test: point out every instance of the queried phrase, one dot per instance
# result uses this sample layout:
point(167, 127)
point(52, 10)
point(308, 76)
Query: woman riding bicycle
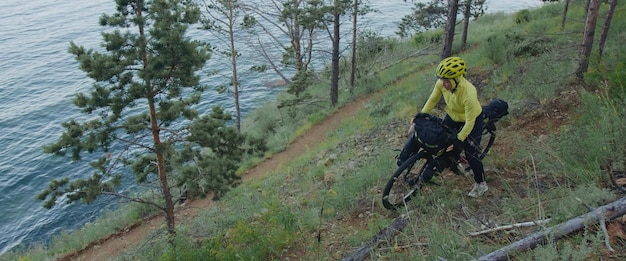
point(463, 113)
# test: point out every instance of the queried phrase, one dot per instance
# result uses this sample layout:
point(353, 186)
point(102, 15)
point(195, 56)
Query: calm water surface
point(39, 79)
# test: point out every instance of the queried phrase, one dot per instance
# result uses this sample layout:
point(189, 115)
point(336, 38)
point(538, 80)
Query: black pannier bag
point(430, 132)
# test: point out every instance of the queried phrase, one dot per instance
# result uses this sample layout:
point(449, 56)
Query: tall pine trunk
point(334, 81)
point(233, 59)
point(466, 15)
point(453, 7)
point(156, 137)
point(162, 173)
point(590, 29)
point(605, 28)
point(565, 7)
point(353, 67)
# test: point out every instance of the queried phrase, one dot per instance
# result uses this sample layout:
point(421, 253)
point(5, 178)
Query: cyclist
point(463, 113)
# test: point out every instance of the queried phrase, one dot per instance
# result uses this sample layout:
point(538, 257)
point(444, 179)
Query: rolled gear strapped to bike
point(494, 111)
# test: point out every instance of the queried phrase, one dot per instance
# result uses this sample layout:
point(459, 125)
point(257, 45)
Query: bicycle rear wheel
point(489, 136)
point(405, 182)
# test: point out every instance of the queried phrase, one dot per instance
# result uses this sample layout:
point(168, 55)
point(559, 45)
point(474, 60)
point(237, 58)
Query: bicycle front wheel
point(405, 182)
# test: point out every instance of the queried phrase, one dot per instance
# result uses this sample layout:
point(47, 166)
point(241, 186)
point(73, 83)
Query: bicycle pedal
point(413, 182)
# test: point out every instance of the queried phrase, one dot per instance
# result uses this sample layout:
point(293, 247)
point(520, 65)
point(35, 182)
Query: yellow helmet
point(451, 68)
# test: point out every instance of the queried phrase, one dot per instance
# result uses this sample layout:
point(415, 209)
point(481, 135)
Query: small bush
point(610, 78)
point(532, 47)
point(265, 234)
point(495, 49)
point(522, 16)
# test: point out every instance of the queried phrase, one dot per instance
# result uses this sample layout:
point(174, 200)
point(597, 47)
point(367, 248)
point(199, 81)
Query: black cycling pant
point(472, 153)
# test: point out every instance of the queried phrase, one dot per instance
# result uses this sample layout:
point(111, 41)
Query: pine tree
point(223, 18)
point(142, 117)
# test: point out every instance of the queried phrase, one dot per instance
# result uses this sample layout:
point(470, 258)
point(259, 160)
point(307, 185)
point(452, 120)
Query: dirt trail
point(115, 244)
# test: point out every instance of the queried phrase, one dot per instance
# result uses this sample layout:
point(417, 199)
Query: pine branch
point(138, 200)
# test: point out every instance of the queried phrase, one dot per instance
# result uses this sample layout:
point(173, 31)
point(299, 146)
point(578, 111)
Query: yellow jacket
point(462, 104)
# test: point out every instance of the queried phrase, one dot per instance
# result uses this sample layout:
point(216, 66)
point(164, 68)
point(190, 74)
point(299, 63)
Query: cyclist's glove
point(458, 144)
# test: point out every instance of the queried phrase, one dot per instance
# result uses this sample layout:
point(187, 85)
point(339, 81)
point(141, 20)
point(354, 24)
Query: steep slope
point(135, 234)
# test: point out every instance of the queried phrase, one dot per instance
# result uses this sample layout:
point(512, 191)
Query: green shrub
point(594, 140)
point(522, 16)
point(495, 49)
point(260, 238)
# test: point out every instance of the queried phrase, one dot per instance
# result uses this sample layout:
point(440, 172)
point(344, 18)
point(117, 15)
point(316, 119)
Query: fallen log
point(606, 212)
point(383, 236)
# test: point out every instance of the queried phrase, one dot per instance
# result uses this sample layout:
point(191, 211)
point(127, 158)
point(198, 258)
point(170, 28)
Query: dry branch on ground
point(603, 213)
point(381, 237)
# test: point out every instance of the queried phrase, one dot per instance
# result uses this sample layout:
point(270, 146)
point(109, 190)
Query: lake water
point(39, 79)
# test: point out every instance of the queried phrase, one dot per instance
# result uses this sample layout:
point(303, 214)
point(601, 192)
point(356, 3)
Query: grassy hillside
point(551, 154)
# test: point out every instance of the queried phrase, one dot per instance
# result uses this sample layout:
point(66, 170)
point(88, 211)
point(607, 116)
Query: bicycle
point(405, 183)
